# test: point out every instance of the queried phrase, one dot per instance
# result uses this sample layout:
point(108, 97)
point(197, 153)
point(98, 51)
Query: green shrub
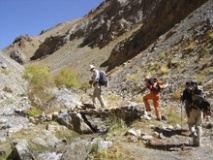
point(35, 111)
point(39, 80)
point(38, 76)
point(67, 77)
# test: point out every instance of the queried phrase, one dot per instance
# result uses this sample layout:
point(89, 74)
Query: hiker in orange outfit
point(154, 86)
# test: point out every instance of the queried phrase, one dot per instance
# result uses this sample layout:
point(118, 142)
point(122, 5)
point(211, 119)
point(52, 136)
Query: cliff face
point(162, 18)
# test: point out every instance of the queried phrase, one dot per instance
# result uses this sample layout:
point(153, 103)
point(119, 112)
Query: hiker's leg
point(95, 93)
point(156, 103)
point(187, 107)
point(145, 100)
point(99, 96)
point(93, 101)
point(198, 119)
point(198, 129)
point(192, 120)
point(198, 122)
point(197, 139)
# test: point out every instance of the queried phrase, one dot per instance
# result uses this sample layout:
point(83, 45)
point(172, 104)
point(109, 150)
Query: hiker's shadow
point(173, 144)
point(170, 132)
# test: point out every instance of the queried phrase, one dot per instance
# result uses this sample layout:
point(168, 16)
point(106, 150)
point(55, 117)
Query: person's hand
point(181, 99)
point(90, 82)
point(155, 84)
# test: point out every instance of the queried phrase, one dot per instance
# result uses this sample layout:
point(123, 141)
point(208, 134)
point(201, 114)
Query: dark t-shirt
point(187, 95)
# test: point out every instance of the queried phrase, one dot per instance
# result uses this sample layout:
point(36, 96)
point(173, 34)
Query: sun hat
point(91, 67)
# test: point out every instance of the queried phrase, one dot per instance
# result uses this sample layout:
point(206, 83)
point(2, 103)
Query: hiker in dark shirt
point(187, 98)
point(194, 114)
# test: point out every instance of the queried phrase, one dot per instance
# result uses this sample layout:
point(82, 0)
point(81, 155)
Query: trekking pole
point(181, 119)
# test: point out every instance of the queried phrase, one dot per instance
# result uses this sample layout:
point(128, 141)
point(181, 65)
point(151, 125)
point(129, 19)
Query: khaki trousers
point(97, 94)
point(194, 119)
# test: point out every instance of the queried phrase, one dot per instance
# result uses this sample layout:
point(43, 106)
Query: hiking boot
point(196, 141)
point(163, 118)
point(158, 119)
point(146, 117)
point(193, 134)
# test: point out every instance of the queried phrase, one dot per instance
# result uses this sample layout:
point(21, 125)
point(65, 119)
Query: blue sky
point(21, 17)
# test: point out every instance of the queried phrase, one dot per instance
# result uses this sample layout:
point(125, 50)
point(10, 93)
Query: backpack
point(103, 80)
point(201, 102)
point(159, 86)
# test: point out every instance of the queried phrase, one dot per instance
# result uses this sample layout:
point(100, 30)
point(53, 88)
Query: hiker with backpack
point(194, 103)
point(95, 82)
point(154, 85)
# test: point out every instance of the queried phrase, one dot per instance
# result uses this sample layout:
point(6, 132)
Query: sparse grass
point(164, 69)
point(211, 34)
point(134, 76)
point(138, 99)
point(116, 103)
point(210, 70)
point(27, 134)
point(117, 124)
point(191, 46)
point(177, 93)
point(153, 66)
point(34, 111)
point(5, 71)
point(115, 152)
point(6, 146)
point(94, 150)
point(182, 64)
point(67, 77)
point(172, 116)
point(209, 86)
point(112, 97)
point(84, 86)
point(37, 148)
point(162, 55)
point(66, 133)
point(200, 78)
point(6, 102)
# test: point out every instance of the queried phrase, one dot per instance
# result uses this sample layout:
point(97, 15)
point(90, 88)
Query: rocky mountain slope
point(11, 75)
point(131, 40)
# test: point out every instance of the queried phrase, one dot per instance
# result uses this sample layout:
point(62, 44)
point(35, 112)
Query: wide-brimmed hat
point(91, 67)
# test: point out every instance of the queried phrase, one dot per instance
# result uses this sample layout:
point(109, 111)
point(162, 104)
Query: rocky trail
point(142, 138)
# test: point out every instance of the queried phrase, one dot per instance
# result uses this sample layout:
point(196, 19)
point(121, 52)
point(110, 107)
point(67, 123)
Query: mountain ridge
point(66, 43)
